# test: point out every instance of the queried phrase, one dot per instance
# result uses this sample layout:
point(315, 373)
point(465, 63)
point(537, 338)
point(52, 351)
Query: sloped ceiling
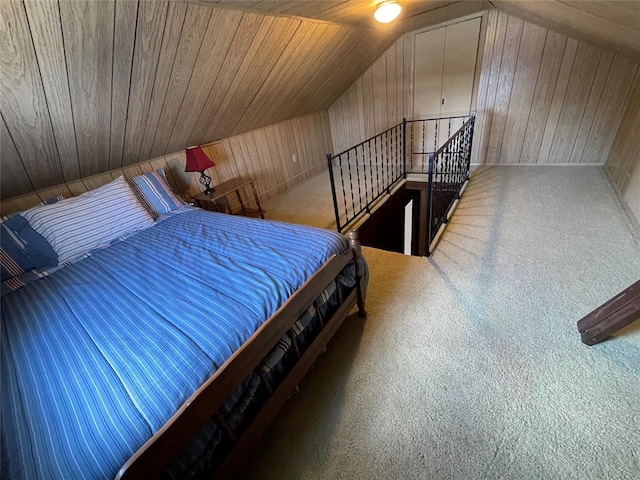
point(359, 13)
point(611, 23)
point(88, 86)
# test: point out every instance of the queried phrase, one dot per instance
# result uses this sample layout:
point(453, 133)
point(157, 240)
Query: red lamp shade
point(197, 160)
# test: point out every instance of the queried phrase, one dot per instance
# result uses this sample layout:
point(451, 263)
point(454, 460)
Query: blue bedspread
point(99, 355)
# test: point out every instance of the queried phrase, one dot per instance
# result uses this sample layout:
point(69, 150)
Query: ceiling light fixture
point(387, 12)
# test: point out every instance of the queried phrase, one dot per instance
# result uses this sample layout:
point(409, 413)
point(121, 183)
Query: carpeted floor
point(308, 204)
point(469, 365)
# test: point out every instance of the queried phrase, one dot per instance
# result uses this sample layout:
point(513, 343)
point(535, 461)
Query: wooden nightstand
point(217, 201)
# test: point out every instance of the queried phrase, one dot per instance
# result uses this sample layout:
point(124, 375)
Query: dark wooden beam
point(617, 313)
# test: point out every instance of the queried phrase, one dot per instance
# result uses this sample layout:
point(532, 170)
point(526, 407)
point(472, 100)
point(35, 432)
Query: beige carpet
point(308, 204)
point(469, 365)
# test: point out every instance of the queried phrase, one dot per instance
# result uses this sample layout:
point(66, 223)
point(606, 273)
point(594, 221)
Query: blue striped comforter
point(99, 355)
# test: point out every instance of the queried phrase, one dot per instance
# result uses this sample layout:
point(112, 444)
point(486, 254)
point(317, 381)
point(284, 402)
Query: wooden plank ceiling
point(88, 86)
point(611, 23)
point(359, 13)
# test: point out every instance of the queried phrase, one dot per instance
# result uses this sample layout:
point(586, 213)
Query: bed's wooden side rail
point(154, 456)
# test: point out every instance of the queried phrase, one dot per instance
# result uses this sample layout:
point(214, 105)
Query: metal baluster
point(344, 193)
point(454, 163)
point(358, 178)
point(387, 156)
point(471, 129)
point(373, 193)
point(435, 137)
point(394, 150)
point(392, 153)
point(459, 151)
point(411, 149)
point(457, 162)
point(374, 163)
point(375, 149)
point(399, 149)
point(366, 186)
point(383, 159)
point(353, 201)
point(449, 171)
point(422, 147)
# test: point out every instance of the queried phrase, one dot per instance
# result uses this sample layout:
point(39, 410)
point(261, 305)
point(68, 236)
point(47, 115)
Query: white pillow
point(77, 225)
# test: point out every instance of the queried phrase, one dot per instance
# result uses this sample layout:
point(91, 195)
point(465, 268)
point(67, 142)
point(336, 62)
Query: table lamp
point(197, 161)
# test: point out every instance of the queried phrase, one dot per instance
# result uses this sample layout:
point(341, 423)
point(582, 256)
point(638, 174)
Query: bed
point(167, 352)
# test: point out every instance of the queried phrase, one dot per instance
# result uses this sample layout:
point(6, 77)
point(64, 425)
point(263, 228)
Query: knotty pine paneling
point(547, 98)
point(264, 154)
point(90, 86)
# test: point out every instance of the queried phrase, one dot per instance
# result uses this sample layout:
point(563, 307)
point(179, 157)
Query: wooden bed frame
point(155, 455)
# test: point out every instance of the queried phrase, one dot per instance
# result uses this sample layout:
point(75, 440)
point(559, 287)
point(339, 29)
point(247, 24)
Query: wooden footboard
point(154, 456)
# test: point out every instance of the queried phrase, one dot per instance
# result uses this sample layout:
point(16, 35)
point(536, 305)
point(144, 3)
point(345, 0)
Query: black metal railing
point(426, 136)
point(362, 174)
point(448, 171)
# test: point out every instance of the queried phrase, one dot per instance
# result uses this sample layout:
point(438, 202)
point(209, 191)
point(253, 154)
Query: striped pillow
point(76, 226)
point(155, 193)
point(22, 248)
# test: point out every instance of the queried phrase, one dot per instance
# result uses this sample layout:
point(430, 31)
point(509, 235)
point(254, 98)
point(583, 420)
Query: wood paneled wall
point(266, 154)
point(547, 98)
point(378, 100)
point(89, 86)
point(542, 97)
point(381, 97)
point(623, 164)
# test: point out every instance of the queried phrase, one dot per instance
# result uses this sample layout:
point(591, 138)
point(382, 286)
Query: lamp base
point(206, 181)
